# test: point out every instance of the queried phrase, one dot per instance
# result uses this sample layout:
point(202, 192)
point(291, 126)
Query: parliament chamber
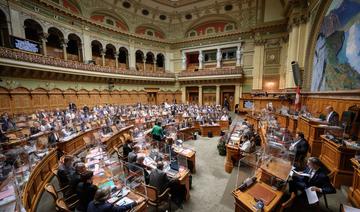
point(179, 105)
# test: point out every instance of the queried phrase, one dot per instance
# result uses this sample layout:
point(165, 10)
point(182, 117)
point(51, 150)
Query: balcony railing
point(46, 60)
point(213, 71)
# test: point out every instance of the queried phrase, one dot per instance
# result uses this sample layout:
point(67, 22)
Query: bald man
point(332, 117)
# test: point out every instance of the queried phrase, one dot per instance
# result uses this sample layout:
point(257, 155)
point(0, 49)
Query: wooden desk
point(292, 125)
point(189, 154)
point(337, 158)
point(40, 175)
point(232, 155)
point(188, 133)
point(283, 120)
point(253, 120)
point(312, 132)
point(277, 167)
point(245, 202)
point(215, 129)
point(224, 125)
point(354, 190)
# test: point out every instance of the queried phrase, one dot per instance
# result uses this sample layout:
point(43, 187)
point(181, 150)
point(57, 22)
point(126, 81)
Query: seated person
point(317, 178)
point(158, 132)
point(133, 154)
point(332, 117)
point(300, 146)
point(66, 131)
point(100, 204)
point(85, 190)
point(53, 137)
point(159, 179)
point(3, 137)
point(75, 177)
point(65, 170)
point(139, 165)
point(246, 145)
point(127, 148)
point(35, 128)
point(224, 117)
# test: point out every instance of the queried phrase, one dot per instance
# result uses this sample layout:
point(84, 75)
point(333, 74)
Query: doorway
point(152, 98)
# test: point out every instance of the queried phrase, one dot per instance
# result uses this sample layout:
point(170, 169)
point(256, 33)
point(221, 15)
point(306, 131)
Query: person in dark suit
point(316, 179)
point(159, 179)
point(85, 190)
point(126, 149)
point(72, 106)
point(226, 104)
point(75, 177)
point(100, 204)
point(53, 137)
point(65, 170)
point(133, 154)
point(332, 117)
point(3, 137)
point(300, 147)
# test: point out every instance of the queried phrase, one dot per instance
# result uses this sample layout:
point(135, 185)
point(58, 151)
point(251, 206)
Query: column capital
point(44, 36)
point(64, 43)
point(102, 52)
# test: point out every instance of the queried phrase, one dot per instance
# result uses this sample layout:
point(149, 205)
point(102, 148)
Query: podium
point(354, 190)
point(336, 158)
point(312, 131)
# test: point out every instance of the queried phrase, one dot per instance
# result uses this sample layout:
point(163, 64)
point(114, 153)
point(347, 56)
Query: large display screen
point(25, 45)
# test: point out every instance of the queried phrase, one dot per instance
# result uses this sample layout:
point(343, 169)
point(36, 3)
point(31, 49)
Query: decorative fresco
point(336, 64)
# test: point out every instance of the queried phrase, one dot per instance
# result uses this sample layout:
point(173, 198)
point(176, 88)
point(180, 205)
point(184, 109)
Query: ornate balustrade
point(47, 60)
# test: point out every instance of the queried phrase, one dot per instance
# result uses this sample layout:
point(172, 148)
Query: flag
point(297, 99)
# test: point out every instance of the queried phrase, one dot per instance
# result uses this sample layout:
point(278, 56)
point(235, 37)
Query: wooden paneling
point(22, 100)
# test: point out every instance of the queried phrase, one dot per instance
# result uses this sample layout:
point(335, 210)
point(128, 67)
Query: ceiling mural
point(149, 31)
point(109, 20)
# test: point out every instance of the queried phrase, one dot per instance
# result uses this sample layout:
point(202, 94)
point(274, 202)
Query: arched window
point(33, 30)
point(4, 32)
point(74, 49)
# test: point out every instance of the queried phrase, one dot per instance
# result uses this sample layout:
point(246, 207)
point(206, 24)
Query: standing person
point(85, 190)
point(158, 132)
point(226, 104)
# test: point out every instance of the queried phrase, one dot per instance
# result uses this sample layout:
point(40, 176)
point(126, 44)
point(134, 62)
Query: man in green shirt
point(157, 132)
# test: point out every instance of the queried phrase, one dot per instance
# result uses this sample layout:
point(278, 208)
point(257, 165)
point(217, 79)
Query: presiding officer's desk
point(354, 190)
point(337, 158)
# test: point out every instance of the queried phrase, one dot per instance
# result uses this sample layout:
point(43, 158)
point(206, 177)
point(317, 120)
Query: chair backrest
point(331, 177)
point(152, 193)
point(288, 203)
point(62, 206)
point(114, 129)
point(51, 190)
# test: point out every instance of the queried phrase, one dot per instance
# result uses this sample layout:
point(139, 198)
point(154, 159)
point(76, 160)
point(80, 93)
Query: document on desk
point(311, 196)
point(299, 173)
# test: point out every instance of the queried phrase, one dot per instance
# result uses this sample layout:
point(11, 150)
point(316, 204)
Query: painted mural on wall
point(336, 63)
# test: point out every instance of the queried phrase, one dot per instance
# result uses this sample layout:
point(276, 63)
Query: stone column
point(258, 64)
point(217, 94)
point(238, 55)
point(200, 59)
point(116, 55)
point(103, 57)
point(154, 65)
point(64, 46)
point(183, 94)
point(131, 57)
point(237, 94)
point(43, 43)
point(144, 61)
point(200, 95)
point(218, 58)
point(183, 61)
